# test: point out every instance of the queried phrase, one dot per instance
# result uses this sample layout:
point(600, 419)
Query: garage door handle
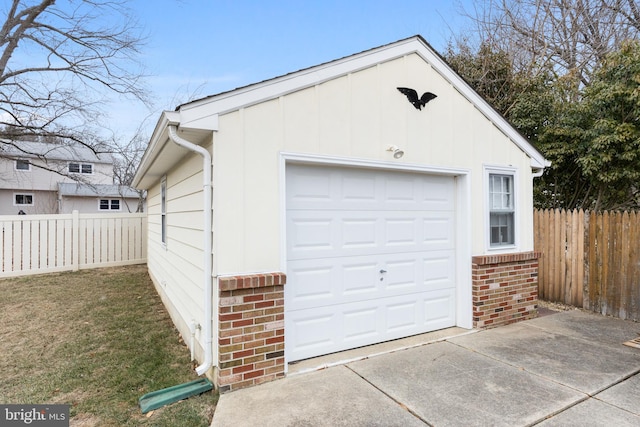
point(383, 271)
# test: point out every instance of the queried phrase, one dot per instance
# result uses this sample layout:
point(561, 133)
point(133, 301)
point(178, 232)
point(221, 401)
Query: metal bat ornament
point(412, 96)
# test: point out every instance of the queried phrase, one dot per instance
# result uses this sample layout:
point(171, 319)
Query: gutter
point(208, 270)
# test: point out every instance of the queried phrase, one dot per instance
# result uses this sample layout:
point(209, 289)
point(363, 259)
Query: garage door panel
point(331, 283)
point(402, 189)
point(311, 186)
point(361, 324)
point(357, 189)
point(437, 192)
point(401, 274)
point(359, 233)
point(344, 233)
point(315, 285)
point(311, 234)
point(402, 317)
point(359, 278)
point(326, 188)
point(313, 332)
point(324, 330)
point(401, 232)
point(370, 257)
point(439, 309)
point(319, 282)
point(439, 270)
point(438, 231)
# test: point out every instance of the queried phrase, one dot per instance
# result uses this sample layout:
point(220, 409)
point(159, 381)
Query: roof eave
point(154, 164)
point(159, 139)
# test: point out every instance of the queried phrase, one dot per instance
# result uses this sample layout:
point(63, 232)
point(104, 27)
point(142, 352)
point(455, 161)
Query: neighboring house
point(45, 178)
point(97, 198)
point(336, 214)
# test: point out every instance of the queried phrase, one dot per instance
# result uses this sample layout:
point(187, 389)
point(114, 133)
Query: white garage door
point(370, 257)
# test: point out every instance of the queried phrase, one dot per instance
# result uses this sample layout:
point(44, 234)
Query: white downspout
point(208, 281)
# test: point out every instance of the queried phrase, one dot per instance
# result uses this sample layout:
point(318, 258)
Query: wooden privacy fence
point(35, 244)
point(590, 260)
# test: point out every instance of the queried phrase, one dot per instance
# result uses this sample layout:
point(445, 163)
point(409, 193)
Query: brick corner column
point(251, 330)
point(504, 288)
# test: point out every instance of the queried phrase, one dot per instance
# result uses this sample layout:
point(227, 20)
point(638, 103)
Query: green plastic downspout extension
point(160, 398)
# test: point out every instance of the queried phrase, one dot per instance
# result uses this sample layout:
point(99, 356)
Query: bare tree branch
point(59, 60)
point(570, 37)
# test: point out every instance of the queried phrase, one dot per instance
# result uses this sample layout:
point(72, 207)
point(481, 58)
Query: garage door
point(370, 257)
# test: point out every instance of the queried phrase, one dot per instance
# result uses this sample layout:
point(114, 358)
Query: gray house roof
point(64, 152)
point(95, 190)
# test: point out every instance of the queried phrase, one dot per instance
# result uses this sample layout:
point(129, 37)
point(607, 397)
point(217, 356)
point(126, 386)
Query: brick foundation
point(251, 330)
point(505, 288)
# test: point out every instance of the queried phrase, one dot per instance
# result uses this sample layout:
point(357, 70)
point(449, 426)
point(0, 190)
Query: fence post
point(75, 238)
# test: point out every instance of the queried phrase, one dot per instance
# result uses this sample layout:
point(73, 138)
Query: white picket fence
point(35, 244)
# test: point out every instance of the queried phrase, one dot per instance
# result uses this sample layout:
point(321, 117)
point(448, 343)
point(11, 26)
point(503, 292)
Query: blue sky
point(197, 48)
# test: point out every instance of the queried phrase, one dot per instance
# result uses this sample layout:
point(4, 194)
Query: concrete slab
point(589, 326)
point(446, 385)
point(588, 365)
point(360, 353)
point(535, 371)
point(592, 413)
point(625, 395)
point(331, 397)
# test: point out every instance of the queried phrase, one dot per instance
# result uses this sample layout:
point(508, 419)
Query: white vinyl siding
point(175, 244)
point(163, 210)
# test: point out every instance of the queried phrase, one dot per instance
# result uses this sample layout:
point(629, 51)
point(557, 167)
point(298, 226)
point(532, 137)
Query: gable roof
point(50, 151)
point(78, 189)
point(200, 117)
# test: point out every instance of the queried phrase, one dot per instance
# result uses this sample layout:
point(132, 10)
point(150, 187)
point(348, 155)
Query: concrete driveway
point(565, 369)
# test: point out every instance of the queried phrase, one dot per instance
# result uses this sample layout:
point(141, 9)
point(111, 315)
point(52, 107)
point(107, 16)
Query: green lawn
point(96, 340)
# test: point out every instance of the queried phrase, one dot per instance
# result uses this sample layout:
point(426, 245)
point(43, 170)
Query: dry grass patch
point(97, 340)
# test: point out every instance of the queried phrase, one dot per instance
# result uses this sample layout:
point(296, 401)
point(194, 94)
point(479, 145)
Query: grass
point(96, 340)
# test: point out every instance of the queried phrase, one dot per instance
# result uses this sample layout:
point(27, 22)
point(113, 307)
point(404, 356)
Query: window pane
point(502, 229)
point(74, 168)
point(24, 199)
point(104, 204)
point(115, 205)
point(87, 168)
point(23, 165)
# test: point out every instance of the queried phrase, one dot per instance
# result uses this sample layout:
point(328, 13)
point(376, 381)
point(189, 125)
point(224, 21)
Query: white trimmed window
point(163, 210)
point(23, 165)
point(22, 199)
point(502, 209)
point(109, 204)
point(83, 168)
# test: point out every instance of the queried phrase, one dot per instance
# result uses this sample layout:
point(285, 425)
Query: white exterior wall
point(177, 267)
point(357, 116)
point(47, 180)
point(43, 184)
point(92, 204)
point(44, 202)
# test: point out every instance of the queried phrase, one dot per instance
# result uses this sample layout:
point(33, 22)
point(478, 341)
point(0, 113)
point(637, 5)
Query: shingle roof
point(29, 149)
point(95, 190)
